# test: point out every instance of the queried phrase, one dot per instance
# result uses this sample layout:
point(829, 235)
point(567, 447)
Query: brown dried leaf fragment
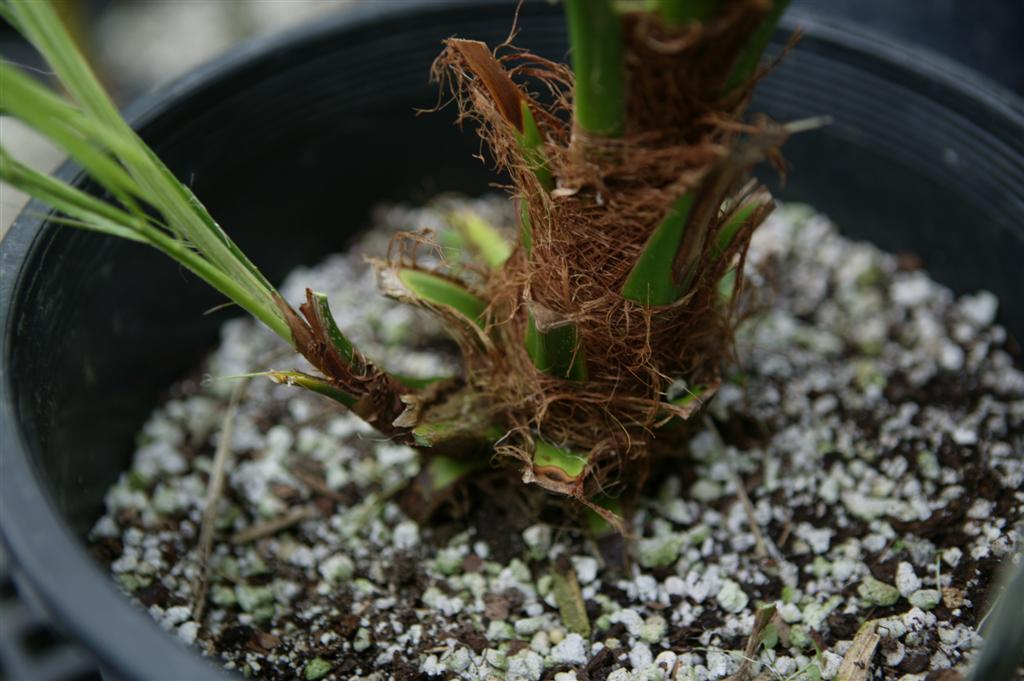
point(856, 665)
point(505, 94)
point(379, 396)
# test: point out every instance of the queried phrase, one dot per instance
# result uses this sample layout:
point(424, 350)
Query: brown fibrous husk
point(588, 233)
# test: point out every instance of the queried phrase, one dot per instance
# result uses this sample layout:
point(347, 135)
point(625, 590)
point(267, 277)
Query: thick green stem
point(652, 281)
point(557, 351)
point(595, 39)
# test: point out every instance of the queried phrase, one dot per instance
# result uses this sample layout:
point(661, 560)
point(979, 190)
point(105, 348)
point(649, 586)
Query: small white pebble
point(586, 569)
point(640, 656)
point(906, 580)
point(980, 308)
point(572, 650)
point(965, 436)
point(731, 597)
point(406, 535)
point(188, 631)
point(176, 615)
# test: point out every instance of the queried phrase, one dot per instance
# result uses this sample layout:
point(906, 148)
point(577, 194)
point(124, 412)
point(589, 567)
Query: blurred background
point(139, 45)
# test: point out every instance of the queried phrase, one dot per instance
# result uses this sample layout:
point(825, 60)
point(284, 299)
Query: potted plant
point(393, 412)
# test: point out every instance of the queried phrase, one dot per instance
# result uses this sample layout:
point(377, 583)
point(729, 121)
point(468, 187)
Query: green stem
point(750, 56)
point(97, 120)
point(91, 213)
point(556, 352)
point(596, 49)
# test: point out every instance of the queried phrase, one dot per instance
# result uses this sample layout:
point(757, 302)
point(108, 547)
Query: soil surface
point(875, 423)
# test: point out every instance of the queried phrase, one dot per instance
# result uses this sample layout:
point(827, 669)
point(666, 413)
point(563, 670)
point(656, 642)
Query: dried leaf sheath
point(377, 395)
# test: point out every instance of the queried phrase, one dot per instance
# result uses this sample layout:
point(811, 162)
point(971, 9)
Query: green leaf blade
point(96, 136)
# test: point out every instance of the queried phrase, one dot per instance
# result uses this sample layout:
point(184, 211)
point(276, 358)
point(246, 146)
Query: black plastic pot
point(290, 142)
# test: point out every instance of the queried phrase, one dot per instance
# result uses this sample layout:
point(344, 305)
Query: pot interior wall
point(291, 150)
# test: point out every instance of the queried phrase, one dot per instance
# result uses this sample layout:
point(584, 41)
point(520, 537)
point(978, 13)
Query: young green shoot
point(481, 238)
point(564, 463)
point(556, 351)
point(436, 290)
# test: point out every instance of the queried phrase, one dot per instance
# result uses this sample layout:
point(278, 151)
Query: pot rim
point(50, 542)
